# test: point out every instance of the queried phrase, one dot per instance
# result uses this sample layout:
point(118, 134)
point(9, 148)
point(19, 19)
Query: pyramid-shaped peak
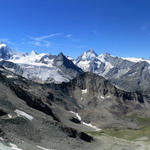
point(91, 51)
point(61, 54)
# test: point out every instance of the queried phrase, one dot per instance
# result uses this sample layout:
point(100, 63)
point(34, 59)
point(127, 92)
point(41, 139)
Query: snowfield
point(22, 113)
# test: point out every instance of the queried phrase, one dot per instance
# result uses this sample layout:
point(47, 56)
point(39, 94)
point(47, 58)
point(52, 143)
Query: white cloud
point(36, 43)
point(146, 28)
point(41, 38)
point(68, 35)
point(44, 40)
point(94, 31)
point(40, 43)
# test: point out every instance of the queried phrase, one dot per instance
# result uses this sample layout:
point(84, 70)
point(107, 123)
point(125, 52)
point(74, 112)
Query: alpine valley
point(50, 102)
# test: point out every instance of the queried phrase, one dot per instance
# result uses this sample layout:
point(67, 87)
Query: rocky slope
point(95, 99)
point(28, 121)
point(56, 116)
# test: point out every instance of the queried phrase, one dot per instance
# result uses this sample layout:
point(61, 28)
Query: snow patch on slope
point(108, 65)
point(132, 59)
point(11, 76)
point(21, 113)
point(14, 147)
point(77, 115)
point(84, 91)
point(84, 123)
point(84, 65)
point(90, 125)
point(43, 148)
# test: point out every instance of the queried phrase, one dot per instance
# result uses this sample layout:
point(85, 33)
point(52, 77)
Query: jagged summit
point(91, 50)
point(5, 52)
point(89, 54)
point(106, 54)
point(2, 45)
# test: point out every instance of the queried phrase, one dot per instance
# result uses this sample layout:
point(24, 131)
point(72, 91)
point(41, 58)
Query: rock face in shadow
point(97, 101)
point(103, 104)
point(85, 137)
point(66, 65)
point(74, 133)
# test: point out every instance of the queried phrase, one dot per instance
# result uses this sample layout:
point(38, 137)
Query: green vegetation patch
point(142, 121)
point(128, 134)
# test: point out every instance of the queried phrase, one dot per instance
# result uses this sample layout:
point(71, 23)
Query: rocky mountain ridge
point(46, 68)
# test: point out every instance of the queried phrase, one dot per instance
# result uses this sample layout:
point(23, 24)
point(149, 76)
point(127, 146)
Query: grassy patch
point(96, 133)
point(128, 134)
point(142, 121)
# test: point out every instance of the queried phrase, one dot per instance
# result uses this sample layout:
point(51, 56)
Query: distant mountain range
point(131, 74)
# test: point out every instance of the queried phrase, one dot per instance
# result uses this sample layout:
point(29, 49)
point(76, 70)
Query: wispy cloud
point(41, 38)
point(45, 39)
point(68, 35)
point(94, 31)
point(40, 43)
point(146, 28)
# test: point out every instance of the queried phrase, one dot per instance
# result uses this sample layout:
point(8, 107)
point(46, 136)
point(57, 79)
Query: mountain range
point(130, 74)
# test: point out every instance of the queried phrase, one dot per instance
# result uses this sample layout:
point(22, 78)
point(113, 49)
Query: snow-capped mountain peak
point(88, 55)
point(2, 45)
point(5, 51)
point(104, 56)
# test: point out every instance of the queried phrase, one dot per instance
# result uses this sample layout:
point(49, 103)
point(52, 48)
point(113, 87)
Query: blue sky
point(119, 27)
